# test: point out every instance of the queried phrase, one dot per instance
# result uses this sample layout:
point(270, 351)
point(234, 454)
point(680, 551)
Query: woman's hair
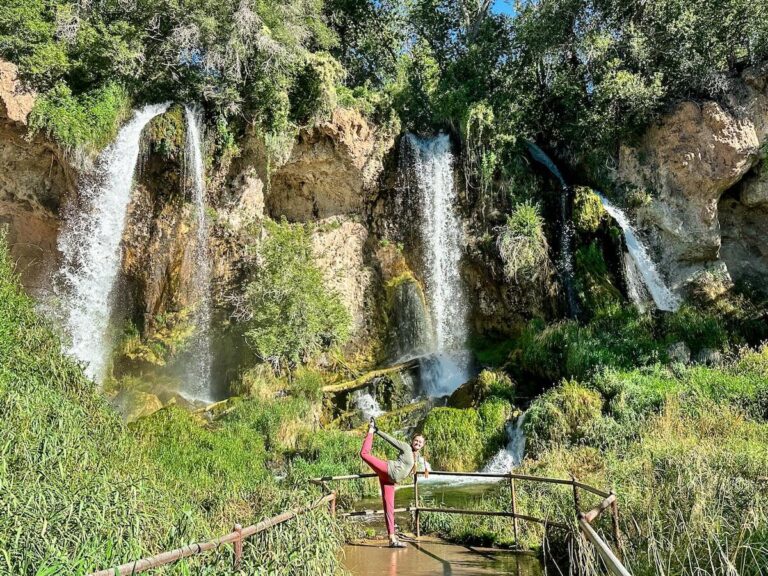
point(423, 454)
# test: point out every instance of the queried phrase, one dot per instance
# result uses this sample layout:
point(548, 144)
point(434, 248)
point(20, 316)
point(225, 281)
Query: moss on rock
point(588, 211)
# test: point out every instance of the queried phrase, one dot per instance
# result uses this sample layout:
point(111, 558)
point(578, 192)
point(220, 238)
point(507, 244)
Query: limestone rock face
point(339, 248)
point(34, 180)
point(685, 163)
point(15, 101)
point(331, 167)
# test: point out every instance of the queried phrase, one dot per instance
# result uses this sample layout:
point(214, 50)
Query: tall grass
point(80, 491)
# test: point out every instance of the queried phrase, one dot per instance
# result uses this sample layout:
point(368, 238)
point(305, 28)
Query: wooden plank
point(374, 512)
point(593, 490)
point(612, 563)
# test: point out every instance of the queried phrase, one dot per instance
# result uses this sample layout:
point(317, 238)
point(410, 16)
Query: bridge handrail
point(235, 538)
point(583, 519)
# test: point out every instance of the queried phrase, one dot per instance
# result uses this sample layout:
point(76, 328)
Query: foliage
point(85, 122)
point(593, 281)
point(81, 491)
point(289, 312)
point(588, 211)
point(463, 439)
point(561, 416)
point(522, 244)
point(169, 336)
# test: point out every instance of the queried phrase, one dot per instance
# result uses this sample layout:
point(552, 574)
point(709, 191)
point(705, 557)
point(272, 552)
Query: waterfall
point(411, 331)
point(662, 296)
point(368, 405)
point(199, 367)
point(441, 231)
point(567, 233)
point(512, 455)
point(90, 245)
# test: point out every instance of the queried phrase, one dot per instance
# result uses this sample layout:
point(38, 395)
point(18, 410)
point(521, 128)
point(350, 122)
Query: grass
point(684, 448)
point(80, 491)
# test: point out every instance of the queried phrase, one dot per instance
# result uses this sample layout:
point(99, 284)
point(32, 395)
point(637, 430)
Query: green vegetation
point(289, 312)
point(82, 491)
point(522, 243)
point(86, 122)
point(464, 439)
point(684, 448)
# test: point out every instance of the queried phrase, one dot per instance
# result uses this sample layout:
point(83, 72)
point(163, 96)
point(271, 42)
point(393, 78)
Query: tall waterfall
point(199, 367)
point(662, 296)
point(567, 233)
point(442, 239)
point(90, 245)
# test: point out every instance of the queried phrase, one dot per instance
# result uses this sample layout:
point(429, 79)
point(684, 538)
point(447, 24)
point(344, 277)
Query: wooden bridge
point(583, 519)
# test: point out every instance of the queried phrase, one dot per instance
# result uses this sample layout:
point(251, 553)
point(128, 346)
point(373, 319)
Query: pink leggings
point(387, 486)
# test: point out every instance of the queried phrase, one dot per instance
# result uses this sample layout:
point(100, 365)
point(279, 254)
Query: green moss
point(463, 439)
point(594, 283)
point(166, 133)
point(588, 211)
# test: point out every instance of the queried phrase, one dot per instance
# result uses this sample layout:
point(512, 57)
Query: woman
point(393, 472)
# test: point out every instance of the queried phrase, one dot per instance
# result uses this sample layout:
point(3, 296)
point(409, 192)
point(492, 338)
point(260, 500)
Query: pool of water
point(432, 557)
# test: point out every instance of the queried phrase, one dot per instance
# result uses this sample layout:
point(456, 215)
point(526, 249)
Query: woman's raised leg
point(377, 464)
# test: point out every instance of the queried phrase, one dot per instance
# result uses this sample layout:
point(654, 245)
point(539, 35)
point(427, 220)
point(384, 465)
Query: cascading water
point(198, 379)
point(512, 455)
point(411, 333)
point(567, 233)
point(441, 230)
point(90, 245)
point(368, 405)
point(662, 296)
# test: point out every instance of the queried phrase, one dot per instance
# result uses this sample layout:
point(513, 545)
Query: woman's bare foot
point(372, 426)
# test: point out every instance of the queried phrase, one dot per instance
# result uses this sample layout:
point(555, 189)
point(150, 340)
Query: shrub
point(522, 243)
point(562, 415)
point(588, 211)
point(84, 123)
point(289, 312)
point(463, 439)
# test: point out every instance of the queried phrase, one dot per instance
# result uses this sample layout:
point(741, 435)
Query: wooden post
point(615, 524)
point(513, 494)
point(332, 504)
point(238, 545)
point(416, 498)
point(576, 499)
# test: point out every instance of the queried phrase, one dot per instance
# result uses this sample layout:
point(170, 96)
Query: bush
point(522, 243)
point(588, 211)
point(84, 123)
point(461, 440)
point(289, 312)
point(562, 416)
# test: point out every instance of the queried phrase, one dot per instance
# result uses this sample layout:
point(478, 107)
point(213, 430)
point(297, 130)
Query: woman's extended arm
point(402, 446)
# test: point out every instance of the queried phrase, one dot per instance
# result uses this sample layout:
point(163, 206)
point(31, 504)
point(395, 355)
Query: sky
point(504, 7)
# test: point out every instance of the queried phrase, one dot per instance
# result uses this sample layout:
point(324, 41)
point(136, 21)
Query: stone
point(685, 163)
point(754, 192)
point(709, 357)
point(16, 102)
point(679, 352)
point(338, 246)
point(330, 167)
point(134, 404)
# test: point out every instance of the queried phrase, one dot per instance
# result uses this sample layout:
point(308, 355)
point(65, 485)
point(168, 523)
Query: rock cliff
point(686, 163)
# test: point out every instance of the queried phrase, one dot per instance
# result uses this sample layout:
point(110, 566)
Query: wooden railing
point(584, 520)
point(235, 538)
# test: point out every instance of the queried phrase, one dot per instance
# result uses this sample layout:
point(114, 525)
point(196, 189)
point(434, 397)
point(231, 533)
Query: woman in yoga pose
point(392, 472)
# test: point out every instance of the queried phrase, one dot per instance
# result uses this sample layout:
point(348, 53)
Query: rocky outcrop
point(34, 180)
point(339, 247)
point(331, 167)
point(686, 162)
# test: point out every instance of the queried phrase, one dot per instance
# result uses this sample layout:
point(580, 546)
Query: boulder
point(679, 352)
point(16, 101)
point(685, 163)
point(134, 404)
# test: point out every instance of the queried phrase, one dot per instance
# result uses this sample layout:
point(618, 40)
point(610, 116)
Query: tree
point(289, 313)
